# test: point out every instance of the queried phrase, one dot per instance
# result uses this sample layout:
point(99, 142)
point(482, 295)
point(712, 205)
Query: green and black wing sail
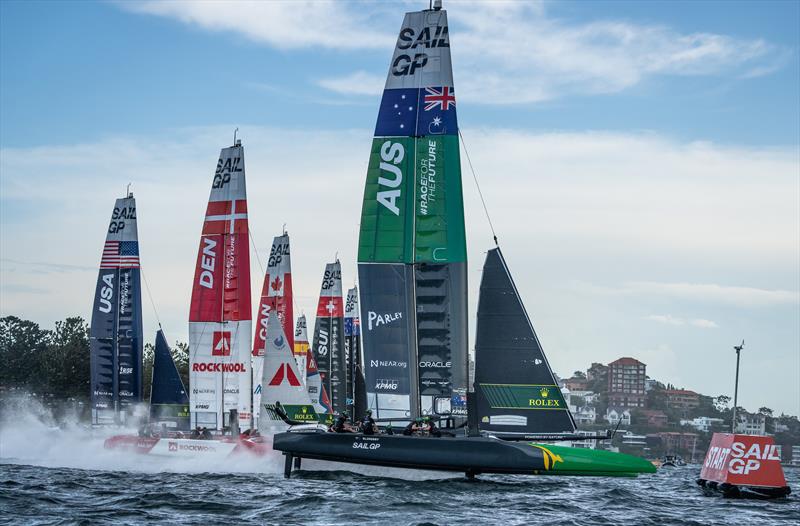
point(515, 388)
point(412, 248)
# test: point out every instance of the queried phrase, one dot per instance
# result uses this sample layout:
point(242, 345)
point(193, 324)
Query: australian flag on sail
point(417, 112)
point(352, 326)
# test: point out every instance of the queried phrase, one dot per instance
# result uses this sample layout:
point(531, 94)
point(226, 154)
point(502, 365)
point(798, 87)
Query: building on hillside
point(590, 397)
point(585, 444)
point(650, 384)
point(682, 399)
point(652, 417)
point(631, 439)
point(585, 415)
point(751, 424)
point(577, 384)
point(673, 441)
point(703, 423)
point(617, 414)
point(626, 378)
point(777, 427)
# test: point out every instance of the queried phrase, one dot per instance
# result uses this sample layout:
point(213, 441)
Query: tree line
point(55, 363)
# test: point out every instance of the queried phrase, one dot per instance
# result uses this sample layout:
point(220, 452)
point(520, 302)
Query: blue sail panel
point(169, 401)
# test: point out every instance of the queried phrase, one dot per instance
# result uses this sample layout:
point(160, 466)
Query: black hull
point(733, 491)
point(469, 455)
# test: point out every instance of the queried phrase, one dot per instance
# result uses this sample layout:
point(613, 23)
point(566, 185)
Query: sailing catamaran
point(276, 299)
point(412, 272)
point(220, 314)
point(115, 337)
point(328, 343)
point(356, 386)
point(301, 346)
point(219, 331)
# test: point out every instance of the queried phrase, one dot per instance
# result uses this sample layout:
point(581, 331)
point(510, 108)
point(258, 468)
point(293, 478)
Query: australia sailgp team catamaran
point(412, 273)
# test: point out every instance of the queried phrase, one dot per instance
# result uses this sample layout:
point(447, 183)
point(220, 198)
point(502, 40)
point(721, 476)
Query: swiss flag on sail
point(285, 370)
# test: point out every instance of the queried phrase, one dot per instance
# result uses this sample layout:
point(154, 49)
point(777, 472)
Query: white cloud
point(704, 324)
point(714, 293)
point(358, 83)
point(650, 213)
point(284, 25)
point(493, 43)
point(671, 320)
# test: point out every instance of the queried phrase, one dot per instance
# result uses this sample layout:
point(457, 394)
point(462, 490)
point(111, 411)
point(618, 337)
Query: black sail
point(169, 400)
point(515, 388)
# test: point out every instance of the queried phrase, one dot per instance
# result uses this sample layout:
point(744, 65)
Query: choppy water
point(58, 477)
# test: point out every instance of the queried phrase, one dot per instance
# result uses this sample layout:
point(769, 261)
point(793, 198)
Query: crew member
point(412, 427)
point(368, 426)
point(341, 425)
point(433, 430)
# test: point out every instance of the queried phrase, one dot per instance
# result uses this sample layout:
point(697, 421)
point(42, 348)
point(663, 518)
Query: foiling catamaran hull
point(469, 455)
point(189, 448)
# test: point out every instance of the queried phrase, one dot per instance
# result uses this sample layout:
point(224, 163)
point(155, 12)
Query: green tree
point(65, 364)
point(180, 354)
point(579, 374)
point(22, 345)
point(766, 411)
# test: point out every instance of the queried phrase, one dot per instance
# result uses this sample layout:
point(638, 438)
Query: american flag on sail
point(120, 254)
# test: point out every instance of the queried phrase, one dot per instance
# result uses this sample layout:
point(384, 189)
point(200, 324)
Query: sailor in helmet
point(368, 426)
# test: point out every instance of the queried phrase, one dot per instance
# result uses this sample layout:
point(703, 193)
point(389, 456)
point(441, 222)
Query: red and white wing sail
point(220, 315)
point(276, 297)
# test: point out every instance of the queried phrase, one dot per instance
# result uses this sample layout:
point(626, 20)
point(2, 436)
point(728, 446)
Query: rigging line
point(478, 186)
point(149, 295)
point(255, 249)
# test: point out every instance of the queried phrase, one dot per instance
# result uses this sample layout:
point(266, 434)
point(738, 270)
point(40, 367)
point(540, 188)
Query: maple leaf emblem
point(277, 284)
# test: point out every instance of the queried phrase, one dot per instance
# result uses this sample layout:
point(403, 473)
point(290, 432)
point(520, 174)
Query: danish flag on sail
point(276, 297)
point(220, 319)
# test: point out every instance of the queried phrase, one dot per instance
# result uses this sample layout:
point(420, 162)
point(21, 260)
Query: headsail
point(328, 344)
point(276, 298)
point(300, 349)
point(169, 401)
point(412, 246)
point(220, 314)
point(116, 329)
point(515, 387)
point(281, 383)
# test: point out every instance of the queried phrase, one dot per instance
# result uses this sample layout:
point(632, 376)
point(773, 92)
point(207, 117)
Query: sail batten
point(115, 338)
point(515, 387)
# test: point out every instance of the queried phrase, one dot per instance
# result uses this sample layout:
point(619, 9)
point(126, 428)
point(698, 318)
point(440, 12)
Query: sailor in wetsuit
point(368, 426)
point(413, 427)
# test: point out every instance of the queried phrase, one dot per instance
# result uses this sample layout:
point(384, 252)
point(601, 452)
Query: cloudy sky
point(640, 161)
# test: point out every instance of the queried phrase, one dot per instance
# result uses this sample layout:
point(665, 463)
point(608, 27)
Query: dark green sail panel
point(387, 215)
point(439, 205)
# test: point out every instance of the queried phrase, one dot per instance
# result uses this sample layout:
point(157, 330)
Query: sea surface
point(56, 476)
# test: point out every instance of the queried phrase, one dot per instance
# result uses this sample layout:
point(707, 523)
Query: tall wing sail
point(169, 401)
point(300, 349)
point(515, 387)
point(220, 315)
point(352, 340)
point(281, 383)
point(276, 297)
point(316, 389)
point(412, 246)
point(328, 344)
point(116, 328)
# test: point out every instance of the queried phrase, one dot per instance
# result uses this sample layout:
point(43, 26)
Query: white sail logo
point(106, 293)
point(392, 154)
point(222, 343)
point(207, 261)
